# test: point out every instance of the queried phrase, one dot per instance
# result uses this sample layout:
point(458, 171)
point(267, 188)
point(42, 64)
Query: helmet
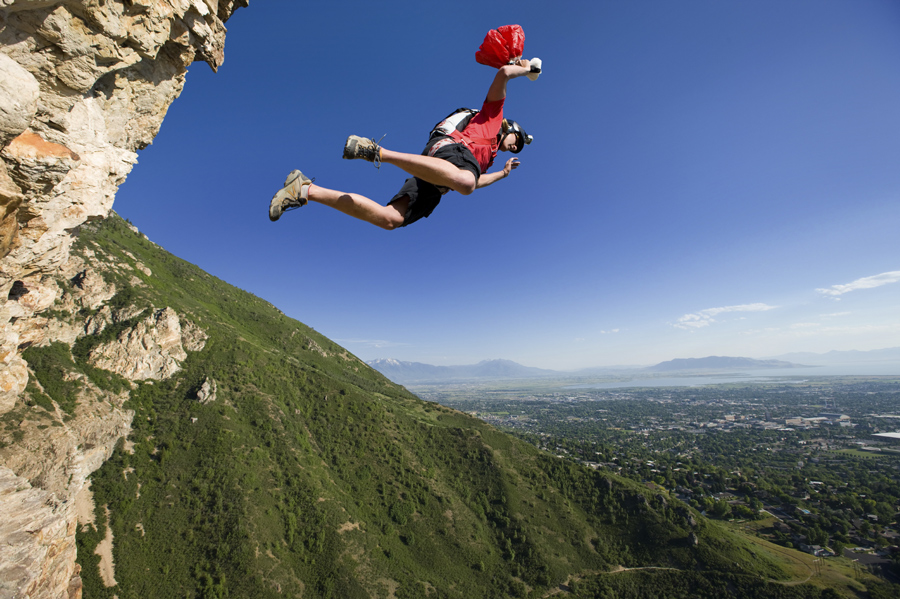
point(522, 138)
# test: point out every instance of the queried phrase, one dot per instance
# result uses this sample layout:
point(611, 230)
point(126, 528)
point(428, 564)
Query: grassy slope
point(312, 475)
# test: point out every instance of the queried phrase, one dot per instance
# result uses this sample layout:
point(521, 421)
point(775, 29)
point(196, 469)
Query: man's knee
point(391, 219)
point(394, 214)
point(465, 183)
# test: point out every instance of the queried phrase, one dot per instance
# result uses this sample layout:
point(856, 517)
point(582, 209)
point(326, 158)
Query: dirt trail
point(84, 505)
point(104, 550)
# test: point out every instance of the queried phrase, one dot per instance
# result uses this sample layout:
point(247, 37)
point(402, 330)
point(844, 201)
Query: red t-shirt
point(482, 130)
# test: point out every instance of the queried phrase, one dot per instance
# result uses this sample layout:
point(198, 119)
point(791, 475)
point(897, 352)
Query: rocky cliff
point(84, 85)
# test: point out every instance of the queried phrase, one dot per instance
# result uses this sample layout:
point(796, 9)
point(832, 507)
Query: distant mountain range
point(890, 354)
point(407, 373)
point(720, 363)
point(416, 372)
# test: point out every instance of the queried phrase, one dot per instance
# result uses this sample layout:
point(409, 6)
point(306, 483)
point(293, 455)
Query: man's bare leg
point(428, 168)
point(434, 170)
point(387, 217)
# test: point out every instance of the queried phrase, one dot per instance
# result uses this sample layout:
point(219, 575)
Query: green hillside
point(311, 475)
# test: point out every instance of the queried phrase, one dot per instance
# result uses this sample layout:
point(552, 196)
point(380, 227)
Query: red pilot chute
point(501, 45)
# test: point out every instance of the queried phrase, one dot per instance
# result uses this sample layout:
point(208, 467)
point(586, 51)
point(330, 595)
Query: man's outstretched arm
point(497, 90)
point(489, 178)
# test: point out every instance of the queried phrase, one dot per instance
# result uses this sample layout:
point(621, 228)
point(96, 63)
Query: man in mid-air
point(457, 160)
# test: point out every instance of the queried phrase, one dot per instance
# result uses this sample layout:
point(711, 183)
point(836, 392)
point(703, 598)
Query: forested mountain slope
point(266, 461)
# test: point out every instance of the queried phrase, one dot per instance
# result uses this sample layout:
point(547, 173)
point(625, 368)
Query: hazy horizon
point(891, 365)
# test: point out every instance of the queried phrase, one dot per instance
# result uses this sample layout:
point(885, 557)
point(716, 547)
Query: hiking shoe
point(292, 195)
point(362, 147)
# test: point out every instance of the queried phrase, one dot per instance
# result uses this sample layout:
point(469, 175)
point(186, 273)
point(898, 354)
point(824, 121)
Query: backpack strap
point(478, 141)
point(458, 120)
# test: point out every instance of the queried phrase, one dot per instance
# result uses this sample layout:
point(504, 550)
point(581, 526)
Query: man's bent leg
point(436, 171)
point(387, 217)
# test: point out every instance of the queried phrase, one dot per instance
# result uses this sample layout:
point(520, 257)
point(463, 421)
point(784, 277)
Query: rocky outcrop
point(152, 349)
point(207, 392)
point(25, 297)
point(84, 85)
point(39, 479)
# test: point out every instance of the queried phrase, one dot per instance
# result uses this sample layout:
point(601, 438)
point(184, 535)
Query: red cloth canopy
point(501, 45)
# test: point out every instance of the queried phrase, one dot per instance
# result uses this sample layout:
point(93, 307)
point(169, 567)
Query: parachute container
point(501, 45)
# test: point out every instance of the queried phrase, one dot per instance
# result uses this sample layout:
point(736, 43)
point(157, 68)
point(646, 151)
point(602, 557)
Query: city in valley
point(811, 464)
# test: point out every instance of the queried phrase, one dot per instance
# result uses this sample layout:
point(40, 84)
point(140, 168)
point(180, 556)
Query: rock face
point(84, 84)
point(153, 349)
point(38, 483)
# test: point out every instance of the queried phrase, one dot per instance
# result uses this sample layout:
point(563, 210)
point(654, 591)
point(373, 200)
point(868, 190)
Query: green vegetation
point(51, 365)
point(666, 584)
point(721, 450)
point(312, 475)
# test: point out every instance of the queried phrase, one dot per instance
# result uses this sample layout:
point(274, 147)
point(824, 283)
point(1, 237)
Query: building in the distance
point(834, 416)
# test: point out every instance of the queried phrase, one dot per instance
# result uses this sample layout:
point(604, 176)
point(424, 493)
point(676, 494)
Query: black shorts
point(424, 196)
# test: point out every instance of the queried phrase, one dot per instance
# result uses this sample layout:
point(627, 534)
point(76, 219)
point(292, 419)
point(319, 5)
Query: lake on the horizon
point(751, 376)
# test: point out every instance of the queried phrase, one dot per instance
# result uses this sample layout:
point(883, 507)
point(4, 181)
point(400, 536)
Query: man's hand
point(534, 69)
point(510, 166)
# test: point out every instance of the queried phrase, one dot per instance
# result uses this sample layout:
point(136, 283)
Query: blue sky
point(707, 178)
